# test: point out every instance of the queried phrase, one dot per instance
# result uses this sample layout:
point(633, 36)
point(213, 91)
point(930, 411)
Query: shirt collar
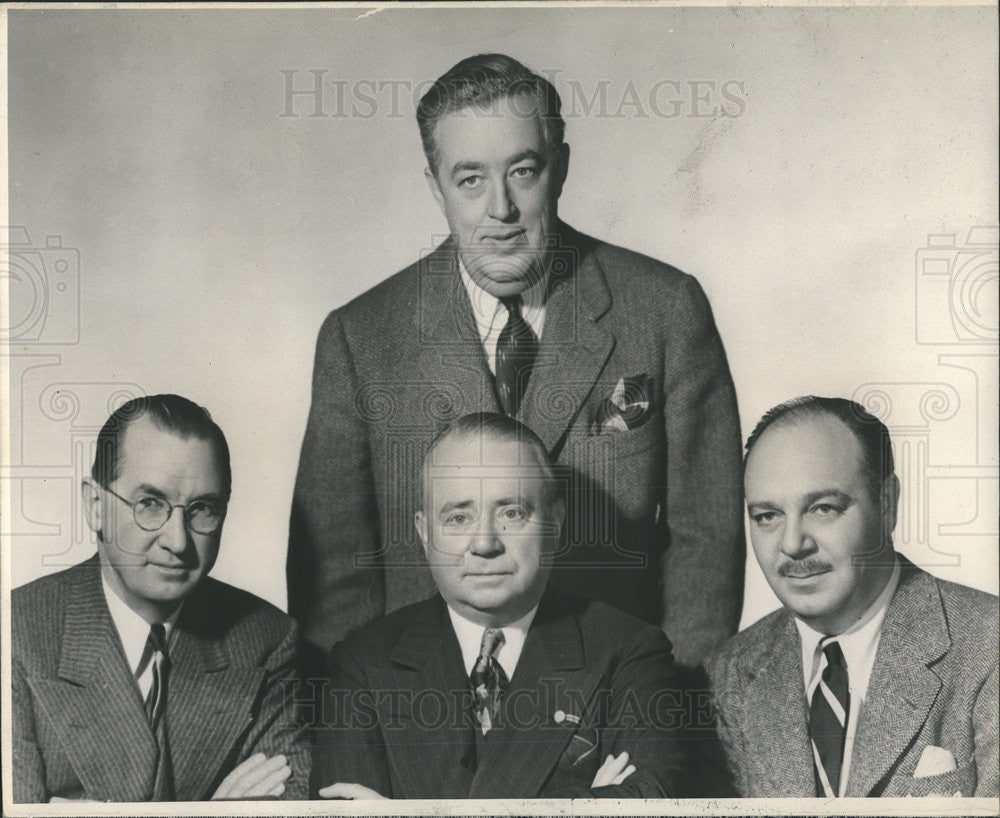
point(486, 308)
point(858, 642)
point(470, 638)
point(133, 630)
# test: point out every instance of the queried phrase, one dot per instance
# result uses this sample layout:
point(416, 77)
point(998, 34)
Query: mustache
point(802, 568)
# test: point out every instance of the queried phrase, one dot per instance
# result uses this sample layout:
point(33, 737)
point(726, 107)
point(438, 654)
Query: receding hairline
point(542, 461)
point(219, 453)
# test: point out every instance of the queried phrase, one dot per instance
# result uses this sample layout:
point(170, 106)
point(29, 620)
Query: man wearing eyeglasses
point(135, 676)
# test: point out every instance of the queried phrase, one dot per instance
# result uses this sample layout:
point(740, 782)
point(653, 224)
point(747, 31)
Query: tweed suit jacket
point(934, 683)
point(654, 523)
point(79, 725)
point(398, 709)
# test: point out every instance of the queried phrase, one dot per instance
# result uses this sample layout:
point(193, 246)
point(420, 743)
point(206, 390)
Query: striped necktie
point(488, 680)
point(156, 706)
point(828, 714)
point(156, 699)
point(517, 348)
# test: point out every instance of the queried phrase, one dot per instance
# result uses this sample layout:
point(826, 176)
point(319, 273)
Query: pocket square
point(628, 406)
point(934, 761)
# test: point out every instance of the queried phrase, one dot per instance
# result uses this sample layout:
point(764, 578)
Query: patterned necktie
point(156, 705)
point(828, 713)
point(517, 348)
point(156, 699)
point(488, 680)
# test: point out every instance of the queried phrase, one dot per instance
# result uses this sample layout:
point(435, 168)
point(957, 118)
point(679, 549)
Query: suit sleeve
point(643, 718)
point(349, 747)
point(984, 720)
point(704, 563)
point(278, 728)
point(28, 771)
point(716, 768)
point(334, 511)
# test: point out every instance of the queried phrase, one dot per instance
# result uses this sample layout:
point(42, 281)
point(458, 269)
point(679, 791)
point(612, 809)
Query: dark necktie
point(517, 348)
point(156, 707)
point(488, 680)
point(828, 714)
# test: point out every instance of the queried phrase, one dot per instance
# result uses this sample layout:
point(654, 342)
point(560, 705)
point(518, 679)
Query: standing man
point(135, 676)
point(497, 687)
point(874, 678)
point(611, 357)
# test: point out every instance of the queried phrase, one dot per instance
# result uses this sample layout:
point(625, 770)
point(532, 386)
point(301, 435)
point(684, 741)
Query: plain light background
point(213, 235)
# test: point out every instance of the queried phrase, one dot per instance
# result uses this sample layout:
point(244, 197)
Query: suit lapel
point(449, 357)
point(776, 718)
point(95, 702)
point(902, 688)
point(426, 754)
point(209, 702)
point(520, 754)
point(574, 346)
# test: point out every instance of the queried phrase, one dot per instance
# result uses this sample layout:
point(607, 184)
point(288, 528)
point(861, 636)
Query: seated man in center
point(498, 687)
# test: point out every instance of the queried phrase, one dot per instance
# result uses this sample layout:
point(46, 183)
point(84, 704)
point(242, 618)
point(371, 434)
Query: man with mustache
point(137, 677)
point(499, 686)
point(875, 678)
point(611, 357)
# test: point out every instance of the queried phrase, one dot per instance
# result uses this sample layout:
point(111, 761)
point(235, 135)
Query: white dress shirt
point(470, 639)
point(133, 631)
point(859, 644)
point(491, 316)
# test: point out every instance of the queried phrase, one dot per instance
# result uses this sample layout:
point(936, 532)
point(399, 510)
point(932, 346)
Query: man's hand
point(257, 777)
point(351, 792)
point(613, 771)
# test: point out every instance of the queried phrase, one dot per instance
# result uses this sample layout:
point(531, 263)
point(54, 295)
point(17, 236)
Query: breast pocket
point(956, 782)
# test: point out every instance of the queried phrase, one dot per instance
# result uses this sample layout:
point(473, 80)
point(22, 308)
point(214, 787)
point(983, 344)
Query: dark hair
point(498, 427)
point(867, 429)
point(480, 80)
point(168, 412)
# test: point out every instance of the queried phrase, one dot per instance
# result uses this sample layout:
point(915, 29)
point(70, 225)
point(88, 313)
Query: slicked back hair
point(868, 430)
point(478, 82)
point(170, 413)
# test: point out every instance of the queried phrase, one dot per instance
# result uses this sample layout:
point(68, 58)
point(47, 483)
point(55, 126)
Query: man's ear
point(92, 505)
point(420, 522)
point(563, 169)
point(435, 187)
point(559, 510)
point(890, 507)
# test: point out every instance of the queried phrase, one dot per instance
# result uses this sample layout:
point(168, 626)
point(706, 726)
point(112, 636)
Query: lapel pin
point(560, 716)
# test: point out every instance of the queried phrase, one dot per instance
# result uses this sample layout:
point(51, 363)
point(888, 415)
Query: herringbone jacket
point(934, 684)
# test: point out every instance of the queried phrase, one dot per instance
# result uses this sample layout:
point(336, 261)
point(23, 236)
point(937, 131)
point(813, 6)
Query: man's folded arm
point(349, 746)
point(984, 721)
point(334, 511)
point(642, 720)
point(278, 728)
point(28, 769)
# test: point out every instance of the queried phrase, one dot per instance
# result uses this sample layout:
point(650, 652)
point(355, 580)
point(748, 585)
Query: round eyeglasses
point(151, 513)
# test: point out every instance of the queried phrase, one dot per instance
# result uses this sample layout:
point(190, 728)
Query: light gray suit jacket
point(934, 684)
point(79, 725)
point(655, 521)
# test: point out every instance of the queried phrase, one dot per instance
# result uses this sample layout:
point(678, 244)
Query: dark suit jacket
point(398, 715)
point(80, 728)
point(655, 521)
point(934, 684)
